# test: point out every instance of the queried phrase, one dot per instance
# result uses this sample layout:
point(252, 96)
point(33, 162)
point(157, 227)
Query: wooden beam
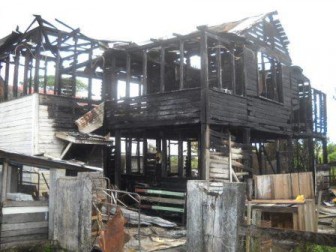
point(311, 162)
point(205, 129)
point(25, 73)
point(37, 68)
point(74, 67)
point(162, 70)
point(45, 76)
point(65, 151)
point(4, 180)
point(230, 158)
point(113, 84)
point(278, 160)
point(144, 72)
point(181, 65)
point(117, 171)
point(324, 151)
point(180, 158)
point(145, 154)
point(219, 65)
point(247, 141)
point(6, 79)
point(233, 69)
point(57, 86)
point(16, 74)
point(128, 75)
point(90, 78)
point(290, 153)
point(164, 156)
point(188, 165)
point(138, 156)
point(128, 142)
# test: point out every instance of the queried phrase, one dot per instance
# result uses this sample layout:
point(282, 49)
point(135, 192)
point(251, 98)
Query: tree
point(80, 85)
point(331, 150)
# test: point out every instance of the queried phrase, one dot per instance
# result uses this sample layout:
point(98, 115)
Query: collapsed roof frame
point(27, 59)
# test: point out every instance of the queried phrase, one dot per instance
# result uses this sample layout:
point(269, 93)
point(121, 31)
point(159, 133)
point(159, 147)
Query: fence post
point(214, 213)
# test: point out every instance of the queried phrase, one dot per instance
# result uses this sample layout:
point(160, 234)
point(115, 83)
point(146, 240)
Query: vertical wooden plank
point(219, 65)
point(16, 74)
point(45, 76)
point(4, 180)
point(138, 156)
point(144, 72)
point(233, 69)
point(324, 151)
point(162, 69)
point(113, 84)
point(301, 220)
point(180, 158)
point(164, 171)
point(204, 153)
point(189, 157)
point(181, 65)
point(230, 157)
point(25, 73)
point(74, 67)
point(278, 165)
point(205, 130)
point(9, 179)
point(295, 221)
point(158, 168)
point(290, 153)
point(128, 142)
point(53, 176)
point(90, 77)
point(37, 66)
point(247, 142)
point(6, 79)
point(117, 171)
point(57, 87)
point(214, 214)
point(295, 184)
point(128, 75)
point(145, 154)
point(312, 166)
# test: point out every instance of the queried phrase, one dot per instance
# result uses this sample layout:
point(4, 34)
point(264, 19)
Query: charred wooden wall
point(227, 109)
point(264, 114)
point(56, 113)
point(173, 108)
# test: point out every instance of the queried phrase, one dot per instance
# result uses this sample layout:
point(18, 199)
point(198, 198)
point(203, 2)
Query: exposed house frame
point(205, 87)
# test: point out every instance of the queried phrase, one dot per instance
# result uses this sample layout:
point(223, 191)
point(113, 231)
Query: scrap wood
point(327, 210)
point(279, 201)
point(133, 218)
point(154, 243)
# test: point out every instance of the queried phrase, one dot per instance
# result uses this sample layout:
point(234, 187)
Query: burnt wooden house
point(201, 105)
point(204, 105)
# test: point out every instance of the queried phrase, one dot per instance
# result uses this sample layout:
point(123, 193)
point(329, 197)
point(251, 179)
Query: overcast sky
point(310, 26)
